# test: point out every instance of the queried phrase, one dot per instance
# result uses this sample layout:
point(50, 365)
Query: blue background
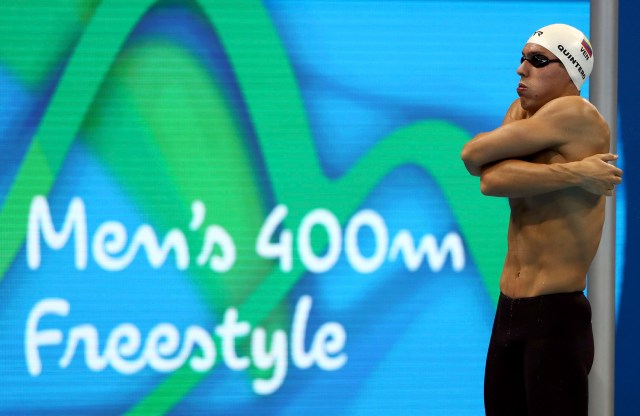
point(364, 70)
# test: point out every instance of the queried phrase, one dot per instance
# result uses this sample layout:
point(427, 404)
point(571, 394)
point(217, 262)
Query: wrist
point(568, 173)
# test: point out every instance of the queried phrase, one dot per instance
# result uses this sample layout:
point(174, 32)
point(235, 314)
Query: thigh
point(504, 388)
point(556, 374)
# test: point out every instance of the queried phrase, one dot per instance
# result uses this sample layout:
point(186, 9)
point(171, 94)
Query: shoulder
point(571, 109)
point(575, 117)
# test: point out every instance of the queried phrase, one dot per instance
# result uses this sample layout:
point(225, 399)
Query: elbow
point(474, 154)
point(485, 187)
point(490, 184)
point(470, 163)
point(467, 154)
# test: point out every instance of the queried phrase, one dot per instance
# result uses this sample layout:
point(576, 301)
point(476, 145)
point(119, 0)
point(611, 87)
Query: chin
point(524, 103)
point(529, 106)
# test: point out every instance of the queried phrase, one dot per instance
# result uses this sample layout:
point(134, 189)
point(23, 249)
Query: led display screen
point(244, 207)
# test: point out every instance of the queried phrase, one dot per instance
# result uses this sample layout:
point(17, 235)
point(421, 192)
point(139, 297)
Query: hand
point(597, 175)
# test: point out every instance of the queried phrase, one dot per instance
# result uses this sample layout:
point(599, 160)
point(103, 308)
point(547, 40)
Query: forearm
point(517, 139)
point(494, 146)
point(469, 154)
point(470, 158)
point(557, 124)
point(515, 178)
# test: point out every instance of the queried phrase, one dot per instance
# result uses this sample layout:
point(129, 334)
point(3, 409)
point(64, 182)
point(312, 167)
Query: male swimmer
point(550, 158)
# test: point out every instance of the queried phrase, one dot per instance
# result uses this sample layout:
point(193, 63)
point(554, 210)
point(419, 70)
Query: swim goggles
point(538, 61)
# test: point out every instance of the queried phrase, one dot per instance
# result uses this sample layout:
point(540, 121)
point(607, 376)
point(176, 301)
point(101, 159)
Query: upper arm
point(556, 125)
point(516, 139)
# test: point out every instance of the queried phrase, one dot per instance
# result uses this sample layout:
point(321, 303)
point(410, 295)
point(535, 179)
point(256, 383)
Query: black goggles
point(538, 61)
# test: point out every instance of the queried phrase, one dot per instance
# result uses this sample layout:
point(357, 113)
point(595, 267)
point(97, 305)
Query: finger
point(616, 171)
point(607, 157)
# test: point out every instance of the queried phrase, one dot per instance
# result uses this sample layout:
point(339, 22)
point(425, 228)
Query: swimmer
point(550, 159)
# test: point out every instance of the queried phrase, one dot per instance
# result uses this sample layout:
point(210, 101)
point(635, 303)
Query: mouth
point(521, 88)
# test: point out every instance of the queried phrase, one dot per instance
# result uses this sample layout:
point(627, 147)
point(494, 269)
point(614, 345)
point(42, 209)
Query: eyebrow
point(536, 52)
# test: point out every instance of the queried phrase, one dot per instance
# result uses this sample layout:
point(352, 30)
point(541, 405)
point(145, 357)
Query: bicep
point(515, 140)
point(527, 137)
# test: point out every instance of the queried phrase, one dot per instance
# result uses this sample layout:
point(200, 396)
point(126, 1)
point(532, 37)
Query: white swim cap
point(571, 46)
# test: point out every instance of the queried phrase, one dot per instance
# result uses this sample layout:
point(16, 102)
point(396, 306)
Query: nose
point(522, 69)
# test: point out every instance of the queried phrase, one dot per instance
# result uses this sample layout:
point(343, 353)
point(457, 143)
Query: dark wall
point(628, 334)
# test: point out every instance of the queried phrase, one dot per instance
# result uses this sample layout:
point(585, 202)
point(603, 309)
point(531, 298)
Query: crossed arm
point(496, 156)
point(516, 178)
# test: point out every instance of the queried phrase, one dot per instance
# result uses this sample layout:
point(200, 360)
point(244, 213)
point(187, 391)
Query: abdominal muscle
point(552, 240)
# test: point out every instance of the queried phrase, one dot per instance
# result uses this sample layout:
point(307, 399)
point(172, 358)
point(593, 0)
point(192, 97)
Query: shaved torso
point(554, 236)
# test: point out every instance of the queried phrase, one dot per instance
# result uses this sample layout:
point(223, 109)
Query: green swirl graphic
point(261, 69)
